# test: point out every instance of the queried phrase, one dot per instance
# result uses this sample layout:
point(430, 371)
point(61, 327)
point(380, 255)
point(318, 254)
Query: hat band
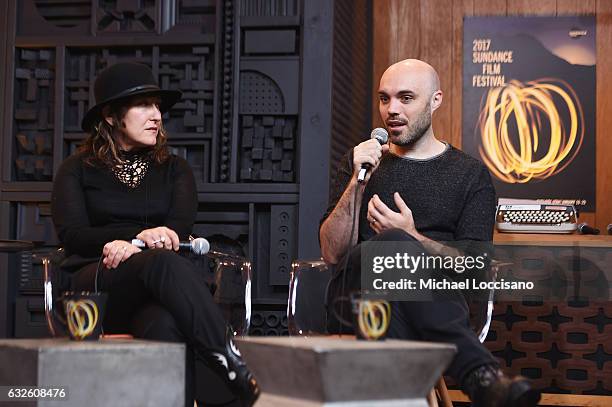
point(135, 89)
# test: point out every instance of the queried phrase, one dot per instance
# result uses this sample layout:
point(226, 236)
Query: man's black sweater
point(451, 195)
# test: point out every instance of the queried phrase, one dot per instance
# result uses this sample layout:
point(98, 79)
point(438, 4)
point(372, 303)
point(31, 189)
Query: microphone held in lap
point(199, 246)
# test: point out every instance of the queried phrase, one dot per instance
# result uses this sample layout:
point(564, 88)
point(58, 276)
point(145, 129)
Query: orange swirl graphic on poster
point(535, 109)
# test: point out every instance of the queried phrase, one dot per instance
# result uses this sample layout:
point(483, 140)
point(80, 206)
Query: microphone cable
point(343, 298)
point(96, 291)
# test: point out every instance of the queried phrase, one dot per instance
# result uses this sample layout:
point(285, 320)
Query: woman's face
point(140, 124)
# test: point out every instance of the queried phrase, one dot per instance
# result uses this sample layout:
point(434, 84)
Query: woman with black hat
point(123, 184)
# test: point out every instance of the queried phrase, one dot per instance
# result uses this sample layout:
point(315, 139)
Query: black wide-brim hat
point(123, 81)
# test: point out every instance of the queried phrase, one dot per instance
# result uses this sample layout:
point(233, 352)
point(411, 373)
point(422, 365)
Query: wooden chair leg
point(443, 393)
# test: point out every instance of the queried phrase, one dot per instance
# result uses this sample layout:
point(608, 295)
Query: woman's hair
point(101, 146)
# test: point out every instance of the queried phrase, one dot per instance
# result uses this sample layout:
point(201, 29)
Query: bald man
point(424, 191)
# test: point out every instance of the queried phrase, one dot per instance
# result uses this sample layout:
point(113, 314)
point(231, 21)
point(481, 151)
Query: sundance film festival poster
point(529, 105)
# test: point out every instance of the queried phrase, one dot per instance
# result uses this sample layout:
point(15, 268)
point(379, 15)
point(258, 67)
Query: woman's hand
point(116, 252)
point(160, 237)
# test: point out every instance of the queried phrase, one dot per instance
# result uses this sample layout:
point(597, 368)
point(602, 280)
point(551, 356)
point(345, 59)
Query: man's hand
point(160, 237)
point(368, 152)
point(116, 252)
point(381, 217)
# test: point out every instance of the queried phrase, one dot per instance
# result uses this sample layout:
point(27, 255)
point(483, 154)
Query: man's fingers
point(376, 227)
point(373, 212)
point(368, 152)
point(367, 159)
point(401, 205)
point(380, 206)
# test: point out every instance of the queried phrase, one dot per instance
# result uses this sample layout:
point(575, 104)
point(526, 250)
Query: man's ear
point(107, 115)
point(436, 100)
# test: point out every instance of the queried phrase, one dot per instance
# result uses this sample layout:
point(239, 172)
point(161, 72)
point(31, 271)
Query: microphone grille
point(380, 134)
point(200, 246)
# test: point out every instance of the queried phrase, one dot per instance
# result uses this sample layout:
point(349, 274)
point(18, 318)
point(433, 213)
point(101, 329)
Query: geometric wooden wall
point(252, 121)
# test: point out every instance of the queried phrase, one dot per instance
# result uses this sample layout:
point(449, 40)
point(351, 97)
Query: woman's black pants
point(159, 295)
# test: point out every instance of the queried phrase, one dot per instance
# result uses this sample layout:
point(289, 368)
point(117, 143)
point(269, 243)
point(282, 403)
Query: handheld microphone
point(381, 136)
point(199, 246)
point(585, 229)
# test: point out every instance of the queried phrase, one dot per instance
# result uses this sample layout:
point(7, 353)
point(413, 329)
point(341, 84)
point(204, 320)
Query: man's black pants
point(434, 321)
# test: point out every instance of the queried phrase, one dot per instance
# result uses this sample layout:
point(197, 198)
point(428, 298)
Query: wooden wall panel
point(351, 117)
point(433, 30)
point(573, 7)
point(530, 7)
point(492, 7)
point(460, 9)
point(398, 38)
point(436, 48)
point(381, 49)
point(578, 7)
point(603, 114)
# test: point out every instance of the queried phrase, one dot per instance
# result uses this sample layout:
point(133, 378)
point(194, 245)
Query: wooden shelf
point(550, 399)
point(541, 239)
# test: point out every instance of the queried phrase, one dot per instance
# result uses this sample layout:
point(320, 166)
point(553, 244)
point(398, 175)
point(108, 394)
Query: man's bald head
point(408, 94)
point(421, 70)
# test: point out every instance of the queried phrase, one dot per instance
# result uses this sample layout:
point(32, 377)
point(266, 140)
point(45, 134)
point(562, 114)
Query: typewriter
point(536, 218)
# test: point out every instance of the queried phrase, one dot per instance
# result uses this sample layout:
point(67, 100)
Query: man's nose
point(393, 107)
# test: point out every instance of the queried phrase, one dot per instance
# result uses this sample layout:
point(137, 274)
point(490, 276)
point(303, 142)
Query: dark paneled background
point(352, 66)
point(261, 81)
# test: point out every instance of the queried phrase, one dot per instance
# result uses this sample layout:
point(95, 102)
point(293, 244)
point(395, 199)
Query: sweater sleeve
point(477, 217)
point(70, 216)
point(184, 205)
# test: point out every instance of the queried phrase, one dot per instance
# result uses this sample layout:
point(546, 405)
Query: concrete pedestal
point(102, 373)
point(326, 371)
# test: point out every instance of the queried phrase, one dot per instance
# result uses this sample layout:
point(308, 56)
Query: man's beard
point(416, 129)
